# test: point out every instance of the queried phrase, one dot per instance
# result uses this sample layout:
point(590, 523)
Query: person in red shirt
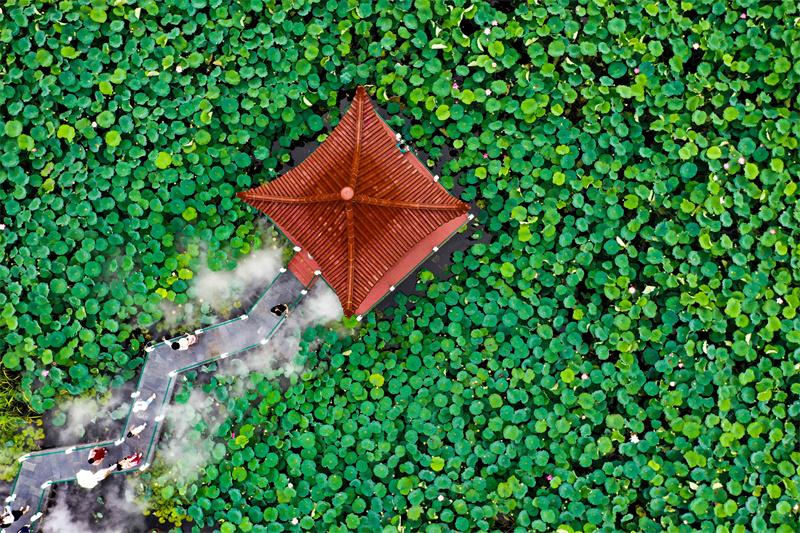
point(130, 461)
point(97, 455)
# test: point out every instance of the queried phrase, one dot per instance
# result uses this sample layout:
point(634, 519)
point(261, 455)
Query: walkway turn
point(41, 470)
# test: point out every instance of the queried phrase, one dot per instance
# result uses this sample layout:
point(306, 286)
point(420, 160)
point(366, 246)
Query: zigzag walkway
point(41, 470)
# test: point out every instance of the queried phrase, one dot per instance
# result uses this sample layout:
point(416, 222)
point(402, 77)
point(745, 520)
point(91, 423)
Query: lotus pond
point(621, 354)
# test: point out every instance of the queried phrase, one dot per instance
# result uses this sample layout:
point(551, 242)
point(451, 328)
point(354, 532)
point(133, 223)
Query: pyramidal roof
point(359, 205)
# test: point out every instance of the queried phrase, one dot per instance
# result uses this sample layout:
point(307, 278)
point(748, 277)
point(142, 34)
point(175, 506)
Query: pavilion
point(362, 211)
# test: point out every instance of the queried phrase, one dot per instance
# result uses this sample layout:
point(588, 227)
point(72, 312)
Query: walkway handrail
point(166, 396)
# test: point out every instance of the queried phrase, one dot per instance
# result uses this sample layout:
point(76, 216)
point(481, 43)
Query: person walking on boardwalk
point(134, 431)
point(12, 515)
point(97, 455)
point(279, 310)
point(130, 461)
point(183, 342)
point(142, 405)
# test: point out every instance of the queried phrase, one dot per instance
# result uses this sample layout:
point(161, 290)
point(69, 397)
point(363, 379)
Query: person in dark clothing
point(27, 527)
point(19, 512)
point(279, 310)
point(12, 515)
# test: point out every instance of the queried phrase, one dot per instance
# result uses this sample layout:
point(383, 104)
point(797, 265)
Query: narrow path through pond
point(42, 470)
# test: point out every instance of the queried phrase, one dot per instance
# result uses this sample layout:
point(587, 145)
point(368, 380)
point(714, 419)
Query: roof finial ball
point(347, 193)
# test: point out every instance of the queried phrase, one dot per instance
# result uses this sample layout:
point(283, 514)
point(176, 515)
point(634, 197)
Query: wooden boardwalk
point(41, 470)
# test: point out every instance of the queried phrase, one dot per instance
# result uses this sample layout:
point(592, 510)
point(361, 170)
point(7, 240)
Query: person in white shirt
point(142, 405)
point(134, 432)
point(183, 343)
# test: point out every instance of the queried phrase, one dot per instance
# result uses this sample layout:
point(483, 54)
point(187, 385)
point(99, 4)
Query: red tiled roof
point(357, 204)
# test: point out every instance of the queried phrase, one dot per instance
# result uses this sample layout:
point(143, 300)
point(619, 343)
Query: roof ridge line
point(359, 103)
point(326, 197)
point(383, 202)
point(361, 94)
